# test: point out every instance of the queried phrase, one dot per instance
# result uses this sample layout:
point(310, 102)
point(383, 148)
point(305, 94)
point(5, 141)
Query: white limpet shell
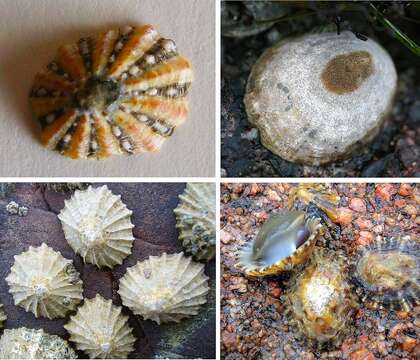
point(24, 343)
point(3, 316)
point(164, 288)
point(100, 330)
point(196, 220)
point(97, 226)
point(45, 283)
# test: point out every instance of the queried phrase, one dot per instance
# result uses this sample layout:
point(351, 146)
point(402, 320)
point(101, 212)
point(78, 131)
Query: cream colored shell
point(23, 343)
point(45, 283)
point(3, 316)
point(164, 288)
point(100, 330)
point(196, 220)
point(97, 226)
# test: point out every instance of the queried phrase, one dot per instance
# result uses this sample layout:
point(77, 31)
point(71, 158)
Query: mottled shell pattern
point(3, 316)
point(97, 226)
point(45, 283)
point(164, 288)
point(100, 330)
point(387, 272)
point(122, 92)
point(286, 239)
point(319, 302)
point(196, 220)
point(24, 343)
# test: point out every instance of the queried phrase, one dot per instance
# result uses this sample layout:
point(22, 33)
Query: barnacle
point(286, 239)
point(121, 92)
point(97, 226)
point(45, 283)
point(319, 301)
point(196, 220)
point(100, 330)
point(3, 316)
point(164, 288)
point(387, 272)
point(24, 343)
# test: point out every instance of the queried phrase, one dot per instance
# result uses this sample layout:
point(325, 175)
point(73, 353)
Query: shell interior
point(286, 239)
point(165, 288)
point(45, 283)
point(121, 92)
point(196, 220)
point(100, 330)
point(97, 226)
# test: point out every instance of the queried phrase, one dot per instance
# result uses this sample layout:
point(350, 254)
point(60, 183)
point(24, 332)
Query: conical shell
point(122, 92)
point(24, 343)
point(45, 283)
point(3, 316)
point(97, 226)
point(196, 220)
point(164, 288)
point(100, 330)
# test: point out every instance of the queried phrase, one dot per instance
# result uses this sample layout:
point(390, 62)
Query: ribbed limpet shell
point(164, 288)
point(3, 316)
point(121, 92)
point(24, 343)
point(97, 226)
point(100, 330)
point(286, 239)
point(45, 283)
point(387, 272)
point(196, 220)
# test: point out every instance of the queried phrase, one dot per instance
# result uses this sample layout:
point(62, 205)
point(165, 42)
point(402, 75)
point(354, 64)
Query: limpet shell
point(164, 288)
point(45, 283)
point(97, 226)
point(3, 316)
point(387, 272)
point(196, 220)
point(121, 92)
point(24, 343)
point(100, 330)
point(320, 302)
point(286, 239)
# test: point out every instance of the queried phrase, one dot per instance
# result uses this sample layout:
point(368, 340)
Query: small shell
point(196, 220)
point(45, 283)
point(90, 99)
point(164, 288)
point(319, 301)
point(100, 330)
point(387, 272)
point(24, 343)
point(285, 240)
point(97, 226)
point(3, 316)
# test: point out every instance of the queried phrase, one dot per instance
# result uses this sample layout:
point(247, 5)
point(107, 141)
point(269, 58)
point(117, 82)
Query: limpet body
point(100, 330)
point(196, 220)
point(97, 226)
point(24, 343)
point(166, 288)
point(286, 239)
point(121, 92)
point(387, 272)
point(45, 283)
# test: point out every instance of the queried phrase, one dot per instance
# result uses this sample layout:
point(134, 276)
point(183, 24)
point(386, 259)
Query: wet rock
point(385, 191)
point(344, 216)
point(358, 205)
point(365, 238)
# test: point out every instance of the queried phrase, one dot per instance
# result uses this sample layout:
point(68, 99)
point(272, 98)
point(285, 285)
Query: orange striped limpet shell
point(122, 92)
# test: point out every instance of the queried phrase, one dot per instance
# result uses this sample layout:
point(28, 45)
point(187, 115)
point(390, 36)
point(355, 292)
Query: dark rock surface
point(155, 233)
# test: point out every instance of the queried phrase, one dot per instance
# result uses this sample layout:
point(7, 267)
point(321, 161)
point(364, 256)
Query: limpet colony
point(45, 283)
point(319, 300)
point(286, 239)
point(3, 316)
point(97, 226)
point(24, 343)
point(387, 272)
point(100, 330)
point(165, 288)
point(121, 92)
point(196, 220)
